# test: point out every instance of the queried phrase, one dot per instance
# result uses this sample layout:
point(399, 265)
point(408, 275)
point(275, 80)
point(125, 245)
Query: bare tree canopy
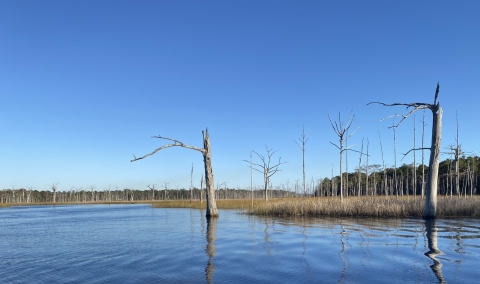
point(341, 130)
point(430, 208)
point(266, 167)
point(302, 141)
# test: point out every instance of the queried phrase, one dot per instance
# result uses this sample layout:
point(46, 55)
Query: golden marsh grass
point(365, 206)
point(368, 207)
point(241, 204)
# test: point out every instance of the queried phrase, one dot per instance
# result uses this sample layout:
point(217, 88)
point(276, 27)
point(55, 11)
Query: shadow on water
point(432, 235)
point(210, 249)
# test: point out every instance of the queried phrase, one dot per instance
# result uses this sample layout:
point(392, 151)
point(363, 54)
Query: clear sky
point(85, 84)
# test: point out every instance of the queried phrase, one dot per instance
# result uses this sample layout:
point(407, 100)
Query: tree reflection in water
point(344, 248)
point(210, 249)
point(432, 235)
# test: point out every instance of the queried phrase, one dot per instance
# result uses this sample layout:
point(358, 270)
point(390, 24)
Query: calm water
point(139, 244)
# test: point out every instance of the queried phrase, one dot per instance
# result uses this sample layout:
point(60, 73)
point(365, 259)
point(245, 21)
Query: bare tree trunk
point(201, 190)
point(212, 210)
point(191, 184)
point(385, 180)
point(414, 160)
point(423, 162)
point(395, 160)
point(359, 172)
point(366, 171)
point(432, 178)
point(251, 176)
point(54, 189)
point(303, 140)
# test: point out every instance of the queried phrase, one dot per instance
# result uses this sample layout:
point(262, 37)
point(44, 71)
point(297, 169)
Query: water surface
point(140, 244)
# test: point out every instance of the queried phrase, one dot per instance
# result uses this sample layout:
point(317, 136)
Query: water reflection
point(210, 249)
point(344, 248)
point(432, 235)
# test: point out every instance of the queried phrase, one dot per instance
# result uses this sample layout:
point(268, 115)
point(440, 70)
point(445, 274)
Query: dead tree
point(395, 159)
point(54, 189)
point(201, 190)
point(341, 129)
point(212, 210)
point(266, 167)
point(92, 189)
point(384, 167)
point(414, 159)
point(302, 140)
point(152, 188)
point(456, 150)
point(430, 208)
point(251, 177)
point(165, 187)
point(366, 170)
point(359, 169)
point(191, 184)
point(423, 161)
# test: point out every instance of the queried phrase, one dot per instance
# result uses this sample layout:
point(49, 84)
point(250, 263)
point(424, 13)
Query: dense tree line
point(401, 181)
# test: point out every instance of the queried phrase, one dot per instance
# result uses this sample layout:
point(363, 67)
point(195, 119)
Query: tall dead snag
point(54, 189)
point(341, 129)
point(456, 150)
point(152, 188)
point(302, 140)
point(212, 210)
point(430, 208)
point(266, 168)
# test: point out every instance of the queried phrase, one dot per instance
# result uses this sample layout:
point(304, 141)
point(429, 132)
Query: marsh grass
point(367, 207)
point(241, 204)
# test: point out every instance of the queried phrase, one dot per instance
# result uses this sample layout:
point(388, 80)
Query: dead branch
point(414, 149)
point(175, 144)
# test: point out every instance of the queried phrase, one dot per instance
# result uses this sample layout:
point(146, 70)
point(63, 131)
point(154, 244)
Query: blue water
point(140, 244)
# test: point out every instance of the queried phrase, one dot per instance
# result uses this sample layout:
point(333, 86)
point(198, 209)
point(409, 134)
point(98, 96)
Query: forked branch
point(175, 144)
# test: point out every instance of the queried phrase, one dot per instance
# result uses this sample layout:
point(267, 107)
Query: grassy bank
point(368, 207)
point(365, 206)
point(241, 204)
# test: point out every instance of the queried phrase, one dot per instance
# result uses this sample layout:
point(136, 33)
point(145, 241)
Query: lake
point(139, 244)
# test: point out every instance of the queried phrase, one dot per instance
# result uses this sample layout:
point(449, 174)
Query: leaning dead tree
point(266, 167)
point(212, 210)
point(430, 208)
point(341, 129)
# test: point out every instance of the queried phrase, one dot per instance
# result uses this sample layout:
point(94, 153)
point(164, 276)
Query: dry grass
point(367, 207)
point(241, 204)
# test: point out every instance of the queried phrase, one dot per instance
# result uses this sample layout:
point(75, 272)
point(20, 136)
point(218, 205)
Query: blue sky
point(85, 84)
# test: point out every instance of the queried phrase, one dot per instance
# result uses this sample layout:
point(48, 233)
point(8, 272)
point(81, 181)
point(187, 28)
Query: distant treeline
point(404, 180)
point(23, 195)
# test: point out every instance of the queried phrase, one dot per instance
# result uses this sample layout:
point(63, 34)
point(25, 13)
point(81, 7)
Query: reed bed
point(367, 207)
